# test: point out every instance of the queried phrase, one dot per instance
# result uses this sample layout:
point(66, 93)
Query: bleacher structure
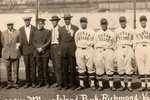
point(72, 5)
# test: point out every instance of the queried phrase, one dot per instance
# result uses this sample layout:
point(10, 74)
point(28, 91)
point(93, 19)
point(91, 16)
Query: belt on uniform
point(55, 44)
point(123, 46)
point(104, 49)
point(144, 45)
point(83, 48)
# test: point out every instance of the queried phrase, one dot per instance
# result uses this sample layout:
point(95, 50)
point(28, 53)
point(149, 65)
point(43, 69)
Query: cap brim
point(54, 19)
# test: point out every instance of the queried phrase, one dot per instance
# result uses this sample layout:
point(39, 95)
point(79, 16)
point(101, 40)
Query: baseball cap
point(103, 21)
point(83, 19)
point(122, 18)
point(143, 17)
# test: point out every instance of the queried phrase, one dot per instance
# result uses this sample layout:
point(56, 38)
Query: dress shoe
point(73, 87)
point(93, 88)
point(113, 88)
point(80, 88)
point(66, 87)
point(141, 89)
point(100, 88)
point(54, 85)
point(122, 88)
point(9, 87)
point(27, 86)
point(130, 89)
point(47, 86)
point(39, 85)
point(59, 87)
point(33, 85)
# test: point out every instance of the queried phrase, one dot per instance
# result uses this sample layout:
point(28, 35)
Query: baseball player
point(84, 39)
point(142, 52)
point(104, 41)
point(124, 52)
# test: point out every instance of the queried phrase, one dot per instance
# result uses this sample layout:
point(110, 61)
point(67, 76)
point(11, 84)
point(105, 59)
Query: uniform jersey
point(124, 36)
point(142, 35)
point(84, 38)
point(104, 39)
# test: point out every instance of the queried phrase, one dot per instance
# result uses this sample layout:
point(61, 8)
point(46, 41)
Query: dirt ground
point(54, 94)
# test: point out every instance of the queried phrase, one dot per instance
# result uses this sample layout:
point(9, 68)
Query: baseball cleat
point(122, 88)
point(141, 89)
point(100, 88)
point(130, 89)
point(113, 88)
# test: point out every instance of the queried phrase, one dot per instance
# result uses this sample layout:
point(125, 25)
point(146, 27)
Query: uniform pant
point(142, 55)
point(30, 68)
point(56, 61)
point(104, 61)
point(84, 58)
point(12, 64)
point(124, 56)
point(42, 65)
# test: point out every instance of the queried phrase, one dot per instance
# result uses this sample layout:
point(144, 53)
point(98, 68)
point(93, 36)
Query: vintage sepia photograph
point(74, 49)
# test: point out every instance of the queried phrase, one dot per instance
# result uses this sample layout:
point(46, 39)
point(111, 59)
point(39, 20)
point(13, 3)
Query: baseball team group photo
point(61, 53)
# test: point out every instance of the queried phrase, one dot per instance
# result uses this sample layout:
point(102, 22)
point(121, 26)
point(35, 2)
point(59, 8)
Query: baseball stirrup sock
point(148, 80)
point(99, 79)
point(92, 79)
point(143, 80)
point(111, 80)
point(122, 80)
point(129, 77)
point(81, 79)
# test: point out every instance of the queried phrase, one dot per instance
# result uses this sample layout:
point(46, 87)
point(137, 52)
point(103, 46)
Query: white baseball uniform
point(103, 52)
point(124, 50)
point(84, 39)
point(142, 50)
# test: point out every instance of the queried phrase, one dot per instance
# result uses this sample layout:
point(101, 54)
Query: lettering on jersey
point(105, 37)
point(124, 36)
point(144, 35)
point(84, 35)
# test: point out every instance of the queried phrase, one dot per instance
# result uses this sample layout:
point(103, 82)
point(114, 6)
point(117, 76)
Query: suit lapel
point(24, 33)
point(12, 37)
point(31, 33)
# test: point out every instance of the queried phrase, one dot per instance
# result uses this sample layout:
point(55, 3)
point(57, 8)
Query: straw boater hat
point(55, 18)
point(10, 22)
point(41, 19)
point(27, 17)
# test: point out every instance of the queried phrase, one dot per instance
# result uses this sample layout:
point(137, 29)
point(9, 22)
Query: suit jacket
point(67, 41)
point(0, 45)
point(42, 39)
point(26, 47)
point(9, 50)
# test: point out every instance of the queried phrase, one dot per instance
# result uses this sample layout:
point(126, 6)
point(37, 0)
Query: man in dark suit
point(41, 42)
point(55, 52)
point(27, 51)
point(11, 54)
point(68, 48)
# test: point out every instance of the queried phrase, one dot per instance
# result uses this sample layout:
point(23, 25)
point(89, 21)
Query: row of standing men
point(69, 46)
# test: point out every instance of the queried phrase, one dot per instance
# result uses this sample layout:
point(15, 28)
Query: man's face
point(41, 24)
point(104, 26)
point(83, 24)
point(123, 23)
point(10, 26)
point(67, 21)
point(55, 23)
point(143, 23)
point(27, 22)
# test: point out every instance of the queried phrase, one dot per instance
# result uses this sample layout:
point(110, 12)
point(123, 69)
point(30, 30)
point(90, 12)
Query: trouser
point(124, 56)
point(42, 65)
point(104, 61)
point(142, 55)
point(56, 61)
point(30, 68)
point(9, 64)
point(69, 65)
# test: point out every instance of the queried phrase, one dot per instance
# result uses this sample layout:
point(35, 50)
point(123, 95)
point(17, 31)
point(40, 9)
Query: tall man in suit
point(27, 51)
point(11, 54)
point(55, 51)
point(68, 48)
point(41, 43)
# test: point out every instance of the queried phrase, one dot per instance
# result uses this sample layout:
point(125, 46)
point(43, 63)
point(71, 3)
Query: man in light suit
point(11, 54)
point(68, 48)
point(0, 58)
point(27, 50)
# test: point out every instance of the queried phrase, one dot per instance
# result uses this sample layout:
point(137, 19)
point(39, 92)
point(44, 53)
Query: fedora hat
point(55, 17)
point(67, 15)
